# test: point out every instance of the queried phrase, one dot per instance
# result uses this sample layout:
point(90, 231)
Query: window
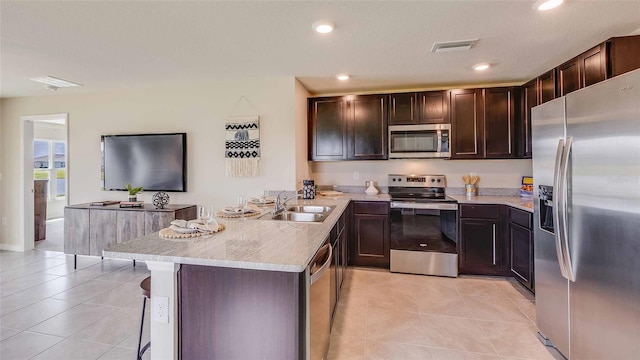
point(49, 164)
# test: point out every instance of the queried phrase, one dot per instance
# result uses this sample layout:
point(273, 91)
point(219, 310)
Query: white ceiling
point(108, 45)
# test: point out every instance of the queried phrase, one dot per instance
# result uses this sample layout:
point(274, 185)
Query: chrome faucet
point(279, 204)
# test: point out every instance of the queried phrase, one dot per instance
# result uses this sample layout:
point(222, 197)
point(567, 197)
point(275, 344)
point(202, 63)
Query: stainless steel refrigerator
point(586, 172)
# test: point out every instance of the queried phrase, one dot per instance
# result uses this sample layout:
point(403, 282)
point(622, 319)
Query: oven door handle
point(422, 205)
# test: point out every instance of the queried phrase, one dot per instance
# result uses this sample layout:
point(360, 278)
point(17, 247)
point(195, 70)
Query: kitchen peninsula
point(239, 293)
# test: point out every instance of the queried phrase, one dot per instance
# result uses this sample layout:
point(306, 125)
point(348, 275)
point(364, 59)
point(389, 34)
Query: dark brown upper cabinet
point(499, 122)
point(569, 76)
point(348, 127)
point(327, 128)
point(593, 64)
point(467, 124)
point(622, 55)
point(434, 107)
point(403, 109)
point(547, 86)
point(367, 127)
point(529, 96)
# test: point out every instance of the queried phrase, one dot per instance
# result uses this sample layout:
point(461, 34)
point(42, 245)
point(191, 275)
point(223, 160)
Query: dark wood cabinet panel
point(569, 76)
point(367, 127)
point(593, 66)
point(529, 100)
point(403, 109)
point(480, 247)
point(467, 124)
point(480, 211)
point(547, 86)
point(327, 129)
point(521, 257)
point(622, 55)
point(499, 122)
point(370, 242)
point(434, 107)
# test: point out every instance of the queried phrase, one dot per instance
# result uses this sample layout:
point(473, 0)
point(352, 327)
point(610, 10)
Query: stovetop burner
point(419, 188)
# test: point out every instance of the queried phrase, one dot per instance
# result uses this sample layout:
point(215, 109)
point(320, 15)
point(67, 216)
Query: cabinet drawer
point(480, 211)
point(520, 217)
point(371, 207)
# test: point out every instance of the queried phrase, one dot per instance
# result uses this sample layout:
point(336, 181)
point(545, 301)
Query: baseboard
point(10, 247)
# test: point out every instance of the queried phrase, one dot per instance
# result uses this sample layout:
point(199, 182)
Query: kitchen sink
point(310, 209)
point(298, 216)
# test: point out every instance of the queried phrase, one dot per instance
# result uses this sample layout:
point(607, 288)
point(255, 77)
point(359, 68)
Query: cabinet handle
point(494, 244)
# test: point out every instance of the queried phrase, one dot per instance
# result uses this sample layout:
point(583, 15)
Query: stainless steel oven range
point(423, 226)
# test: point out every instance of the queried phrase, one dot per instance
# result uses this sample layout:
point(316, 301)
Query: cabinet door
point(157, 220)
point(521, 254)
point(371, 240)
point(367, 128)
point(480, 247)
point(593, 64)
point(467, 124)
point(130, 225)
point(622, 55)
point(76, 231)
point(499, 105)
point(403, 109)
point(434, 107)
point(569, 76)
point(529, 100)
point(547, 86)
point(327, 129)
point(102, 233)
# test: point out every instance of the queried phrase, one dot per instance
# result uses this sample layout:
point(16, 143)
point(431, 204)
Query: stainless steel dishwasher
point(319, 303)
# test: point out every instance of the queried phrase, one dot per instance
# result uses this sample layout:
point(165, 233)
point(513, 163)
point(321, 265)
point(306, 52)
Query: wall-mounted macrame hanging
point(242, 145)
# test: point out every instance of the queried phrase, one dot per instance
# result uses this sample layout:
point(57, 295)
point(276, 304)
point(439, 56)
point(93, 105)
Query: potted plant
point(132, 192)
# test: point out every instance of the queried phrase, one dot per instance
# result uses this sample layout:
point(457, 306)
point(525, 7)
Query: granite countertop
point(245, 243)
point(517, 202)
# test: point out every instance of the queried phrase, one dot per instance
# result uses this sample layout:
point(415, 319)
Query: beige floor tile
point(350, 321)
point(456, 333)
point(389, 350)
point(386, 323)
point(73, 320)
point(436, 303)
point(514, 290)
point(25, 282)
point(102, 268)
point(113, 328)
point(6, 333)
point(26, 345)
point(117, 353)
point(16, 301)
point(131, 342)
point(399, 297)
point(478, 286)
point(528, 308)
point(127, 274)
point(124, 295)
point(354, 297)
point(515, 340)
point(35, 313)
point(344, 348)
point(73, 349)
point(446, 354)
point(494, 309)
point(52, 287)
point(67, 268)
point(87, 290)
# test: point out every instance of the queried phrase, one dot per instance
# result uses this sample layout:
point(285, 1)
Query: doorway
point(45, 185)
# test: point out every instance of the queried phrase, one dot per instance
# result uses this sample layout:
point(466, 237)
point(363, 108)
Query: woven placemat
point(221, 214)
point(171, 234)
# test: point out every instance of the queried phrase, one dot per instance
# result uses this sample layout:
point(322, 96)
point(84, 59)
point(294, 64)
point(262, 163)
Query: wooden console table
point(89, 229)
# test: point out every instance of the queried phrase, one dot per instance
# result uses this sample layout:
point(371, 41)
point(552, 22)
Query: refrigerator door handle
point(562, 211)
point(556, 207)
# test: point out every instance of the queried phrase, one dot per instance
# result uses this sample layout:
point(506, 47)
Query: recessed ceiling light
point(543, 5)
point(323, 27)
point(480, 67)
point(55, 82)
point(343, 77)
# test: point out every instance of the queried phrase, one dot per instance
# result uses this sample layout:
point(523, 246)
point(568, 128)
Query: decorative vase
point(160, 199)
point(371, 190)
point(133, 198)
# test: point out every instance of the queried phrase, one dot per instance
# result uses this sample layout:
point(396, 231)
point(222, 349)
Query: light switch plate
point(160, 309)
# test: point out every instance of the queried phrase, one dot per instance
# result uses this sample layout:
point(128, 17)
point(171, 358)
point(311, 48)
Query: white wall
point(492, 173)
point(197, 109)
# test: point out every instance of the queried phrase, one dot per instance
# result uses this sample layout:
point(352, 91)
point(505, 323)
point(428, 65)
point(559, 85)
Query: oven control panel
point(417, 180)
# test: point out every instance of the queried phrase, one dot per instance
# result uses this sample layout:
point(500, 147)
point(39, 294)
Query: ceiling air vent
point(449, 46)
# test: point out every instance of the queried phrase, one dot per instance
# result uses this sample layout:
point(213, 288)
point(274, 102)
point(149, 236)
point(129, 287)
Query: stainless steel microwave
point(419, 141)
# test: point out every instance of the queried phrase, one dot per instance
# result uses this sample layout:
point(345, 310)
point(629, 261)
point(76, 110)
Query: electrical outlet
point(160, 309)
point(356, 175)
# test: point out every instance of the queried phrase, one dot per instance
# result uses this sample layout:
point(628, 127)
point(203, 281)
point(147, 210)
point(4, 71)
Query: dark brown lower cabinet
point(520, 237)
point(370, 244)
point(481, 248)
point(227, 313)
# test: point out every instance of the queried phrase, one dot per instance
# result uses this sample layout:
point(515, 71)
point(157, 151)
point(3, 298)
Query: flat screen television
point(157, 162)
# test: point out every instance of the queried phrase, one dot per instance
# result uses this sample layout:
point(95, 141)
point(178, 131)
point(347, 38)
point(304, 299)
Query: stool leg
point(75, 261)
point(144, 304)
point(134, 263)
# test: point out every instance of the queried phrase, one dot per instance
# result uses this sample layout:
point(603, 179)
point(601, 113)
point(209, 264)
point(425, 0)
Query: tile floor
point(397, 316)
point(48, 310)
point(54, 240)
